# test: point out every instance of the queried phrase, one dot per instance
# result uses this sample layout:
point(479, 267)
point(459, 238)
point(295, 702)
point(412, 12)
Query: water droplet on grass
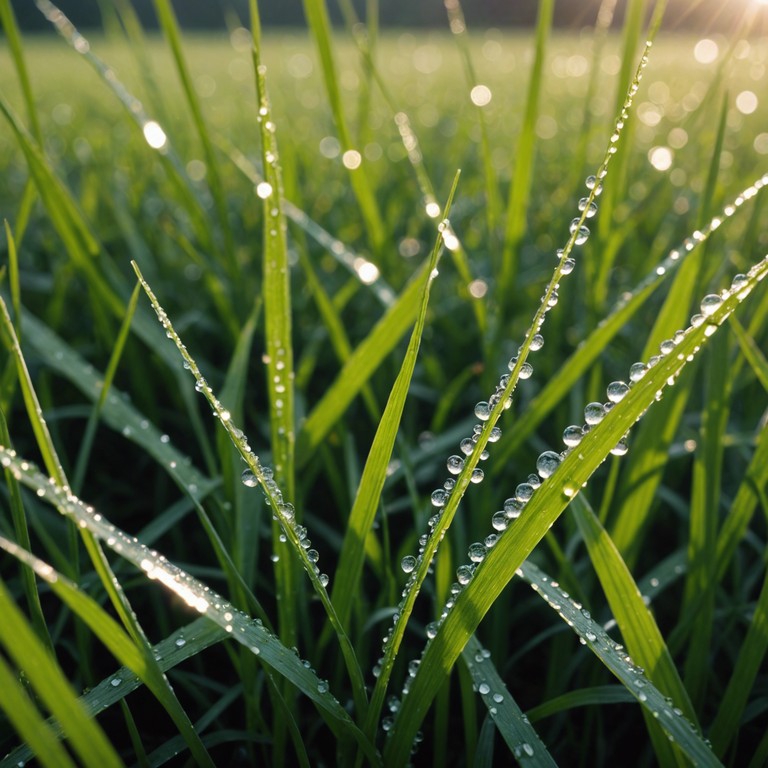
point(710, 303)
point(523, 492)
point(455, 464)
point(593, 183)
point(616, 391)
point(594, 413)
point(249, 479)
point(572, 435)
point(439, 497)
point(477, 476)
point(408, 563)
point(581, 232)
point(476, 552)
point(547, 463)
point(483, 689)
point(499, 521)
point(464, 575)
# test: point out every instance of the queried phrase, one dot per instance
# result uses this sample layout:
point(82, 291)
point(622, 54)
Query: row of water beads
point(283, 511)
point(483, 409)
point(548, 461)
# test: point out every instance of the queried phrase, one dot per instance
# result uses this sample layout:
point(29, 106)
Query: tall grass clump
point(462, 308)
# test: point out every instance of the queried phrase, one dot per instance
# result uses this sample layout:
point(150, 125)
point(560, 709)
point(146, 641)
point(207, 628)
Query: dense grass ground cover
point(299, 339)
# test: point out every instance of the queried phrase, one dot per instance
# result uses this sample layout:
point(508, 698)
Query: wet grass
point(363, 325)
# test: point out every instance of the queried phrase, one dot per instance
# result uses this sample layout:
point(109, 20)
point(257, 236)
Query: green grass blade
point(109, 375)
point(170, 28)
point(28, 722)
point(655, 704)
point(257, 474)
point(752, 353)
point(556, 389)
point(583, 697)
point(638, 628)
point(181, 645)
point(365, 359)
point(16, 46)
point(279, 343)
point(525, 154)
point(138, 659)
point(746, 672)
point(704, 516)
point(250, 633)
point(521, 738)
point(368, 496)
point(548, 502)
point(319, 24)
point(46, 678)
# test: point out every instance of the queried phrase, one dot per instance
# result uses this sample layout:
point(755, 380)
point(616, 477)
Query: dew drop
point(513, 508)
point(572, 435)
point(547, 463)
point(523, 492)
point(484, 689)
point(466, 446)
point(710, 303)
point(477, 476)
point(591, 208)
point(439, 497)
point(594, 413)
point(464, 575)
point(324, 579)
point(667, 347)
point(637, 371)
point(526, 370)
point(499, 521)
point(616, 391)
point(432, 628)
point(537, 342)
point(322, 687)
point(593, 183)
point(476, 552)
point(180, 642)
point(568, 266)
point(621, 448)
point(249, 479)
point(483, 411)
point(408, 563)
point(494, 435)
point(581, 232)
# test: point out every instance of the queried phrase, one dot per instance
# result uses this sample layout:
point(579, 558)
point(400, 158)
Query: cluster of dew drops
point(483, 409)
point(548, 461)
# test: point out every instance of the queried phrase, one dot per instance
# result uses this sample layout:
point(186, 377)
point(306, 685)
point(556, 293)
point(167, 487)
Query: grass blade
point(250, 633)
point(548, 502)
point(137, 658)
point(521, 738)
point(46, 678)
point(368, 495)
point(317, 18)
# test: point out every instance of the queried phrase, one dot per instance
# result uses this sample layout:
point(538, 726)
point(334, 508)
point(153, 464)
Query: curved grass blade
point(368, 496)
point(28, 722)
point(746, 672)
point(363, 361)
point(513, 725)
point(276, 289)
point(680, 730)
point(639, 630)
point(319, 24)
point(170, 28)
point(258, 474)
point(448, 501)
point(21, 644)
point(520, 190)
point(583, 697)
point(249, 632)
point(138, 658)
point(516, 543)
point(179, 646)
point(555, 390)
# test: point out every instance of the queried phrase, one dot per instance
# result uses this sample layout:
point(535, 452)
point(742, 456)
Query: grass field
point(347, 324)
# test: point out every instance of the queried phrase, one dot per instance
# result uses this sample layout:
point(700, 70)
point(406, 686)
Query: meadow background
point(526, 114)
